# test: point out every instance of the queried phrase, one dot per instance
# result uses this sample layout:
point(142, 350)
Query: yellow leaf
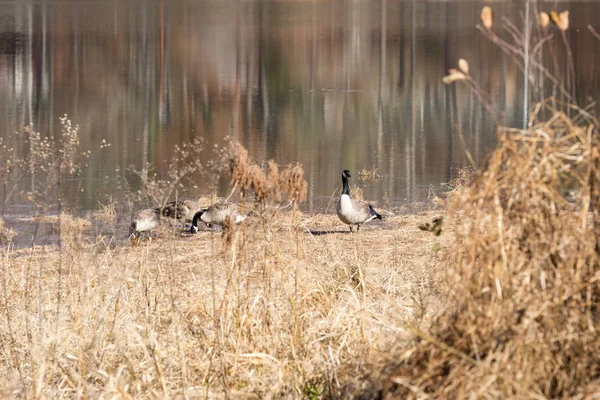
point(455, 75)
point(564, 21)
point(544, 19)
point(463, 65)
point(486, 17)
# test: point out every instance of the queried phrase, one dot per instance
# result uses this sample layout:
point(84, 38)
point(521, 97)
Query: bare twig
point(596, 34)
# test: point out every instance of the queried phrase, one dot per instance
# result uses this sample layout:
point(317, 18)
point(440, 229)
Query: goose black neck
point(345, 186)
point(196, 219)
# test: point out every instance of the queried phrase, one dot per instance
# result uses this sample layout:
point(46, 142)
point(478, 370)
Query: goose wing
point(173, 209)
point(362, 210)
point(144, 220)
point(147, 213)
point(181, 209)
point(219, 211)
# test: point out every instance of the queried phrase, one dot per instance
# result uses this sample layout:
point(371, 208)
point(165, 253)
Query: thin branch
point(596, 34)
point(514, 31)
point(232, 190)
point(507, 47)
point(539, 44)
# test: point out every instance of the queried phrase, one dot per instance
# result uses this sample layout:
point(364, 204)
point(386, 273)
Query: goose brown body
point(181, 210)
point(143, 221)
point(216, 214)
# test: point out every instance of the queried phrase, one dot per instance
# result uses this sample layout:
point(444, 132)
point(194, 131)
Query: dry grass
point(522, 317)
point(6, 234)
point(107, 213)
point(283, 305)
point(265, 312)
point(71, 231)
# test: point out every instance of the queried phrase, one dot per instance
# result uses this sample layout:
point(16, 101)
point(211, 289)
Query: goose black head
point(132, 229)
point(197, 216)
point(346, 174)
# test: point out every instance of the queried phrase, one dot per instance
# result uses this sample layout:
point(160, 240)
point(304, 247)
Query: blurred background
point(332, 84)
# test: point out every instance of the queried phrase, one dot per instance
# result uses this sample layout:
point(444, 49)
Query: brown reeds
point(522, 317)
point(265, 184)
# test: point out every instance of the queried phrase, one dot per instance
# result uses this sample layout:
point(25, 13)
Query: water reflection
point(331, 84)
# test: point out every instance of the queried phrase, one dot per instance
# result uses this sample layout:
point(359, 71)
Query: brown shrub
point(522, 318)
point(272, 184)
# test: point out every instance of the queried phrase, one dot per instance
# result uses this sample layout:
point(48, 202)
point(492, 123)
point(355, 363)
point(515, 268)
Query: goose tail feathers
point(374, 213)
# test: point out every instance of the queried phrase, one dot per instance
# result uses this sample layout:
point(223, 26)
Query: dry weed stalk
point(107, 213)
point(186, 162)
point(50, 160)
point(11, 171)
point(522, 318)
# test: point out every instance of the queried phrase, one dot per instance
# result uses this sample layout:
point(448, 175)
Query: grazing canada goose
point(351, 211)
point(143, 221)
point(181, 210)
point(216, 214)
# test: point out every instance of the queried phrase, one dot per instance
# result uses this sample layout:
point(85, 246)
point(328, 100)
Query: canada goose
point(143, 221)
point(181, 210)
point(216, 214)
point(351, 211)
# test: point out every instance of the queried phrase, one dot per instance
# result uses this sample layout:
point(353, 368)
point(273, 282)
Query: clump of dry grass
point(271, 184)
point(369, 175)
point(107, 213)
point(522, 315)
point(6, 234)
point(71, 230)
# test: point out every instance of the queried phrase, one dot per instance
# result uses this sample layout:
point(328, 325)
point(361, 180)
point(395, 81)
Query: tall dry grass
point(521, 318)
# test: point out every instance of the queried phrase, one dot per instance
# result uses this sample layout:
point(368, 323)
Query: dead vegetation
point(522, 307)
point(275, 307)
point(503, 303)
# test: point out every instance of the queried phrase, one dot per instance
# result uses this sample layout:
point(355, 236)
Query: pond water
point(332, 84)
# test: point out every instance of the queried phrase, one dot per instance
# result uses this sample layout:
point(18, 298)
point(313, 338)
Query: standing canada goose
point(143, 221)
point(216, 214)
point(353, 212)
point(181, 210)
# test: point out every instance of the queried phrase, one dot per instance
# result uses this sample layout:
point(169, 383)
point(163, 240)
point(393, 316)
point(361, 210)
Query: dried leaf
point(486, 16)
point(555, 17)
point(455, 75)
point(463, 65)
point(544, 19)
point(564, 21)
